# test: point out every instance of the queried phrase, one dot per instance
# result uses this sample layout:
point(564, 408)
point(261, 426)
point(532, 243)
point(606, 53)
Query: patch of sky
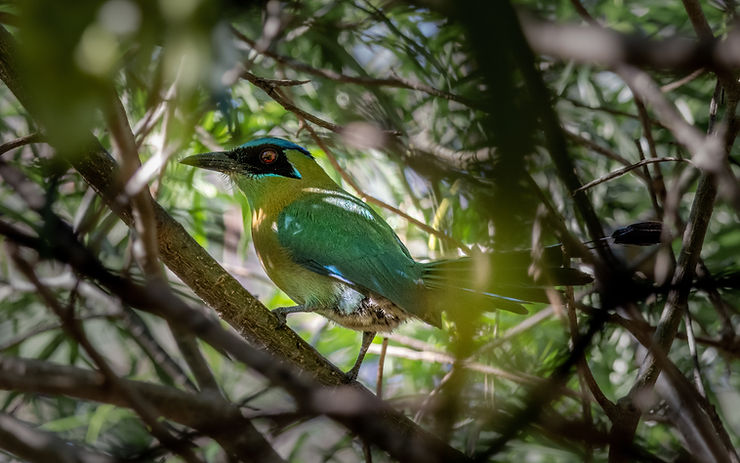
point(365, 52)
point(428, 28)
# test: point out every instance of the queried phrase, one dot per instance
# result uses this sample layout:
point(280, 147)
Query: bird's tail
point(508, 280)
point(500, 280)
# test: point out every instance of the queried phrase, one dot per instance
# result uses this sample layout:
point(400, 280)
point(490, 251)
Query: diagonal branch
point(35, 445)
point(18, 142)
point(271, 89)
point(207, 414)
point(396, 82)
point(624, 170)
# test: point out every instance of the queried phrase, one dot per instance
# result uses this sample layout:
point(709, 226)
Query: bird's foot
point(281, 315)
point(282, 312)
point(367, 339)
point(351, 374)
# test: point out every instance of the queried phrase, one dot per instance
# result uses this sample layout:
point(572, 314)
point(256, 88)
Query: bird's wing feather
point(337, 235)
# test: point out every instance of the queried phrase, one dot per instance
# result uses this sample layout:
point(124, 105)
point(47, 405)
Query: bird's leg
point(367, 339)
point(282, 312)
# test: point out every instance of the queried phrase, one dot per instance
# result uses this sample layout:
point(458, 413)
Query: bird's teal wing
point(336, 234)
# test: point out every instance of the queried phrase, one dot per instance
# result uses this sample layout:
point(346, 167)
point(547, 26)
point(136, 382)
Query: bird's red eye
point(268, 156)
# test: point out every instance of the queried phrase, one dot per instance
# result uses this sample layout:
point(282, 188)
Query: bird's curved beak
point(219, 161)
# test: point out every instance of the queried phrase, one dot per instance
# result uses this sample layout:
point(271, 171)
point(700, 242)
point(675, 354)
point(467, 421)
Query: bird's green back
point(335, 234)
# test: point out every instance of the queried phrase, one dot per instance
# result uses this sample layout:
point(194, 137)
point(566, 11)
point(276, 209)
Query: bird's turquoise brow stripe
point(285, 144)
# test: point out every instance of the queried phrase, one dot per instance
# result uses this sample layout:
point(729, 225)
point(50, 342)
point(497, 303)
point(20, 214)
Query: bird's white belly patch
point(371, 313)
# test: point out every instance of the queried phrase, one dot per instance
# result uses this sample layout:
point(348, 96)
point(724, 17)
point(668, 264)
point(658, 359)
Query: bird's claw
point(351, 375)
point(367, 338)
point(281, 315)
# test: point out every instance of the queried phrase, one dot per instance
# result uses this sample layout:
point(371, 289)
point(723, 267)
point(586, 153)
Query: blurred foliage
point(459, 166)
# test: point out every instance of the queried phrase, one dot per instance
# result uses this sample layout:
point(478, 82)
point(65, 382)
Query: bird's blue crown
point(284, 144)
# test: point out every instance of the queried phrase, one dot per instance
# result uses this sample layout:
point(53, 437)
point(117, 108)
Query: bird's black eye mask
point(264, 161)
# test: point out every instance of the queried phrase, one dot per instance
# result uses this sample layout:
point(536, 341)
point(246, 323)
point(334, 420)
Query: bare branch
point(123, 140)
point(381, 365)
point(35, 445)
point(272, 90)
point(206, 413)
point(22, 141)
point(624, 170)
point(439, 357)
point(366, 81)
point(595, 45)
point(667, 88)
point(698, 20)
point(592, 145)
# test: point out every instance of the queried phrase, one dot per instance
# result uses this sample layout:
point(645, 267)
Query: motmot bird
point(334, 255)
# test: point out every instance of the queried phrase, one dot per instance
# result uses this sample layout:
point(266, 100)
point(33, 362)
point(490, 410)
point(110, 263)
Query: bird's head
point(263, 167)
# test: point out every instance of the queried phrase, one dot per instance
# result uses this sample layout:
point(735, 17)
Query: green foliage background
point(460, 167)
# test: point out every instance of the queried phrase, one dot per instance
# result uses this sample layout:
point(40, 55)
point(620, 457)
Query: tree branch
point(624, 170)
point(35, 445)
point(272, 91)
point(595, 45)
point(206, 413)
point(22, 141)
point(396, 82)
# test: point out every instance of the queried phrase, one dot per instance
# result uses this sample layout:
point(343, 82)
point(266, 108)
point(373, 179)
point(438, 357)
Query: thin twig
point(272, 90)
point(440, 357)
point(667, 88)
point(584, 14)
point(365, 81)
point(604, 109)
point(140, 333)
point(586, 380)
point(624, 170)
point(381, 365)
point(592, 145)
point(284, 82)
point(432, 395)
point(22, 337)
point(694, 355)
point(656, 183)
point(650, 181)
point(18, 142)
point(141, 206)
